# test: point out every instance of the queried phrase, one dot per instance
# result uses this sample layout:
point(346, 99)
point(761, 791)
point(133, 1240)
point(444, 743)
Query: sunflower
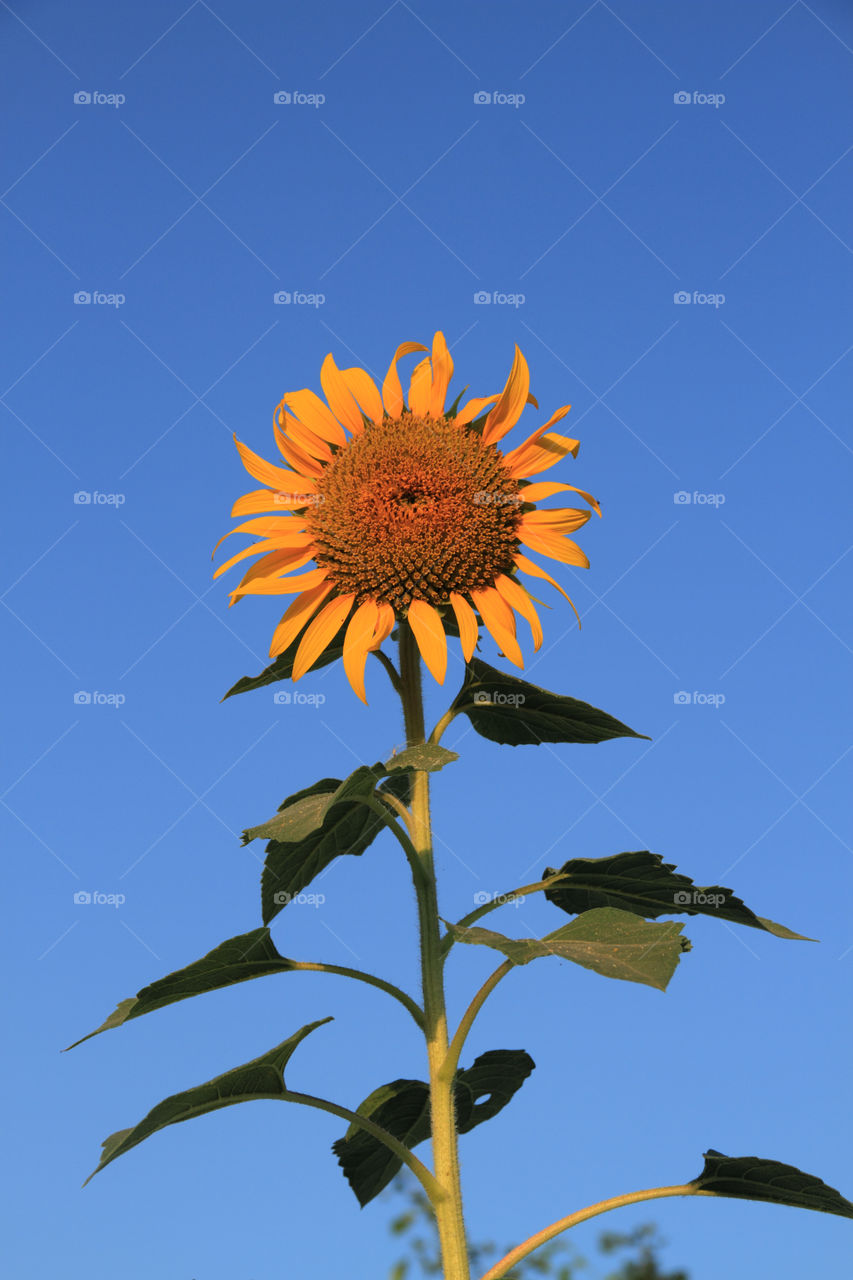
point(407, 511)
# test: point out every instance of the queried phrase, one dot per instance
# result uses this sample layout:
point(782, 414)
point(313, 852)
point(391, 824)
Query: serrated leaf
point(282, 668)
point(427, 756)
point(505, 709)
point(754, 1178)
point(346, 826)
point(249, 955)
point(402, 1108)
point(263, 1077)
point(643, 883)
point(613, 943)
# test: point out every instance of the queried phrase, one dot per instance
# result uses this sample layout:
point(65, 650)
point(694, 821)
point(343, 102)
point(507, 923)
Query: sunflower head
point(407, 511)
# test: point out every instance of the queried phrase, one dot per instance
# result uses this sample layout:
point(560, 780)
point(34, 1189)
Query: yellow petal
point(260, 469)
point(474, 407)
point(298, 457)
point(534, 571)
point(526, 460)
point(555, 546)
point(561, 519)
point(273, 565)
point(508, 409)
point(442, 372)
point(324, 628)
point(296, 616)
point(300, 494)
point(500, 622)
point(419, 389)
point(297, 433)
point(466, 618)
point(307, 406)
point(363, 389)
point(385, 620)
point(339, 397)
point(298, 543)
point(547, 489)
point(357, 644)
point(266, 527)
point(518, 599)
point(392, 392)
point(429, 633)
point(283, 586)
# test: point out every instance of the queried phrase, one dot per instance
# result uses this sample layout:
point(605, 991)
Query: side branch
point(501, 1268)
point(343, 971)
point(451, 1061)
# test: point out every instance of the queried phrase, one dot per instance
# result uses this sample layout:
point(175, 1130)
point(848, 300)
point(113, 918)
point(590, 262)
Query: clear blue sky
point(398, 198)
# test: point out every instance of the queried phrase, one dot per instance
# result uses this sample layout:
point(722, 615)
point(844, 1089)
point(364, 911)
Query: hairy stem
point(452, 1060)
point(448, 1211)
point(405, 1000)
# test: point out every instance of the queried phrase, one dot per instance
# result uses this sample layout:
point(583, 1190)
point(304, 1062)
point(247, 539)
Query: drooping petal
point(385, 621)
point(296, 433)
point(364, 391)
point(307, 406)
point(357, 644)
point(273, 566)
point(296, 616)
point(260, 469)
point(547, 489)
point(533, 570)
point(282, 586)
point(340, 398)
point(555, 417)
point(392, 391)
point(526, 460)
point(560, 520)
point(500, 622)
point(555, 546)
point(300, 494)
point(473, 408)
point(442, 372)
point(324, 628)
point(466, 619)
point(512, 400)
point(265, 527)
point(419, 389)
point(300, 459)
point(518, 599)
point(297, 543)
point(429, 633)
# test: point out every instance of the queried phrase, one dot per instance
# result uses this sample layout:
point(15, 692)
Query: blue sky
point(383, 198)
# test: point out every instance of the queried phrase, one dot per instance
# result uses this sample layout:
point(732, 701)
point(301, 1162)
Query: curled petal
point(307, 406)
point(357, 644)
point(297, 433)
point(518, 599)
point(392, 392)
point(526, 460)
point(363, 390)
point(419, 389)
point(385, 621)
point(442, 372)
point(547, 489)
point(533, 570)
point(340, 398)
point(260, 469)
point(512, 400)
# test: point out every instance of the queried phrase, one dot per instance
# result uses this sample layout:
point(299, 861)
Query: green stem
point(448, 1211)
point(393, 674)
point(501, 1268)
point(500, 901)
point(421, 1172)
point(405, 1000)
point(412, 855)
point(452, 1060)
point(439, 729)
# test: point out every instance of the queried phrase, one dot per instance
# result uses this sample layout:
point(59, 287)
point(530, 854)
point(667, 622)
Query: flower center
point(413, 509)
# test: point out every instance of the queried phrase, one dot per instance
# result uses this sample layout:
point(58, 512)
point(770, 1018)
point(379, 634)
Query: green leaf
point(505, 709)
point(643, 883)
point(249, 955)
point(324, 825)
point(282, 668)
point(753, 1178)
point(261, 1078)
point(613, 943)
point(402, 1108)
point(427, 756)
